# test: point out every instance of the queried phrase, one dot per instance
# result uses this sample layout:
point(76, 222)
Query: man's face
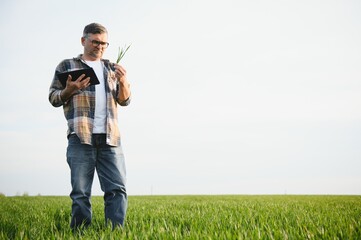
point(94, 45)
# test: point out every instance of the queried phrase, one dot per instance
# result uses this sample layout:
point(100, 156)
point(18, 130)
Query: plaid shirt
point(80, 108)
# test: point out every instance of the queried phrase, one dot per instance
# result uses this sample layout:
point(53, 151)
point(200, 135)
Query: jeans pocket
point(73, 139)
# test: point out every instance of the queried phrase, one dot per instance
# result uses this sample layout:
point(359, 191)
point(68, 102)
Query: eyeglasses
point(96, 43)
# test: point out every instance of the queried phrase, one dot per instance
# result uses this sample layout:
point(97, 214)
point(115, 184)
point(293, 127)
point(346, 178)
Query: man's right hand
point(74, 86)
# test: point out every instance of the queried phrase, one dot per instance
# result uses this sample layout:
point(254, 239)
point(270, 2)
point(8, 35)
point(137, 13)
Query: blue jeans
point(109, 163)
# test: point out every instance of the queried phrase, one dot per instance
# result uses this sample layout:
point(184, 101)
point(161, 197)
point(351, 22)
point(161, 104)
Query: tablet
point(89, 72)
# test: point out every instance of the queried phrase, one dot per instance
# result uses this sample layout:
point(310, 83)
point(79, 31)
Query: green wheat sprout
point(122, 52)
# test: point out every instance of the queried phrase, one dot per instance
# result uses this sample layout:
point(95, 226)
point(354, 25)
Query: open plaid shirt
point(80, 108)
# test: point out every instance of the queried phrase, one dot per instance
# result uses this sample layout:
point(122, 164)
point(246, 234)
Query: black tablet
point(89, 72)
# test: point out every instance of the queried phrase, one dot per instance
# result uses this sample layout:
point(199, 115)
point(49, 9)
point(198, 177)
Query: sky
point(228, 96)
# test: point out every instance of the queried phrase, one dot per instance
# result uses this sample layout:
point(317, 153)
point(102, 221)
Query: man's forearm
point(124, 91)
point(66, 95)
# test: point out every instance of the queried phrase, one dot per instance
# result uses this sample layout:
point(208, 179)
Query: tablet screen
point(89, 72)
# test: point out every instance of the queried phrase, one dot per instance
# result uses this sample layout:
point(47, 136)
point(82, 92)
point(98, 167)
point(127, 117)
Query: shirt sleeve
point(55, 90)
point(125, 102)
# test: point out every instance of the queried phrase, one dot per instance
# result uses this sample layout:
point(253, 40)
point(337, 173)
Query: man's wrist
point(64, 95)
point(123, 82)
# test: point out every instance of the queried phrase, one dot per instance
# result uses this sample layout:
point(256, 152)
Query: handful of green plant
point(121, 53)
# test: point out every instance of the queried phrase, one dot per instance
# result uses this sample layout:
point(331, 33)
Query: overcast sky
point(229, 97)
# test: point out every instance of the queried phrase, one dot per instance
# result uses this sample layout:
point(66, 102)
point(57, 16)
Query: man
point(93, 134)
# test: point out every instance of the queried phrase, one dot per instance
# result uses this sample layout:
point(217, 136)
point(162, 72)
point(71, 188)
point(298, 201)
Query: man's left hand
point(120, 73)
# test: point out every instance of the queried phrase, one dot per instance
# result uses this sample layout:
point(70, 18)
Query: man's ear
point(82, 41)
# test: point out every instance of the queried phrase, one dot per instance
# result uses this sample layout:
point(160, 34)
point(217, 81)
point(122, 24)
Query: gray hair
point(94, 28)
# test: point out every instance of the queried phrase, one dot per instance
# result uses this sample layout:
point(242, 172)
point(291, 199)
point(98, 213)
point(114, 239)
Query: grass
point(190, 217)
point(121, 53)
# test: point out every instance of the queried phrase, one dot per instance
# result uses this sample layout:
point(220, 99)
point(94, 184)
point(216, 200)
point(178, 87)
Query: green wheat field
point(190, 217)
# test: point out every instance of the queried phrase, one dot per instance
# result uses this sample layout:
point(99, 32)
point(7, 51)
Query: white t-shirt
point(100, 116)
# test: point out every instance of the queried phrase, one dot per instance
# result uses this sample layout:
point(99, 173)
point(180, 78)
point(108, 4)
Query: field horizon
point(25, 194)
